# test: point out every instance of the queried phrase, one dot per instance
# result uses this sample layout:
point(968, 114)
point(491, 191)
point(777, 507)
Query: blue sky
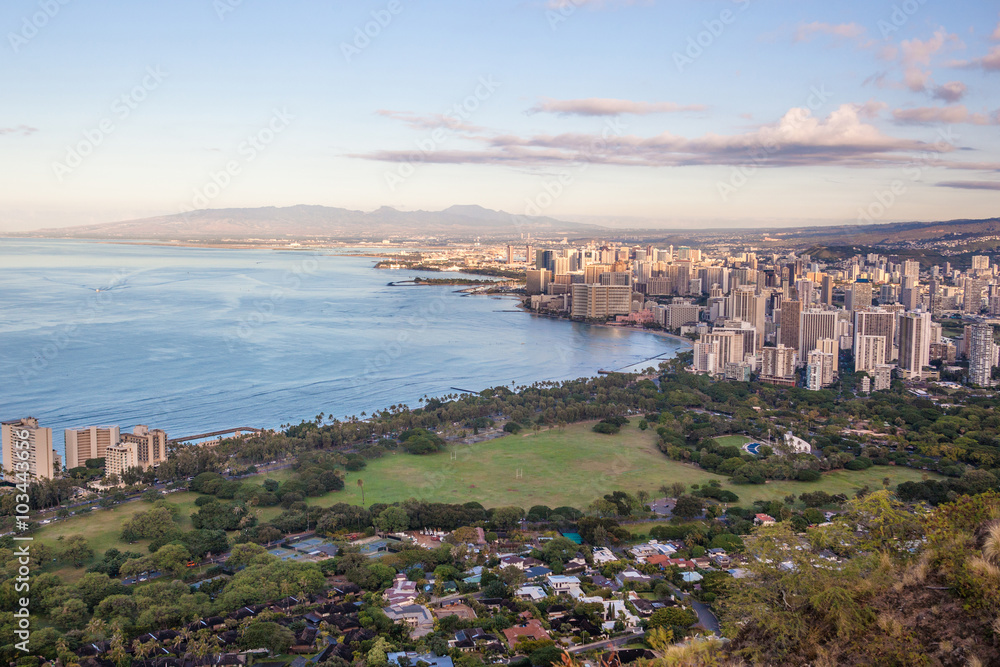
point(665, 112)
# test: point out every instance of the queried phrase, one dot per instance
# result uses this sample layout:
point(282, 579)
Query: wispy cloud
point(20, 130)
point(934, 115)
point(914, 56)
point(797, 139)
point(430, 121)
point(990, 62)
point(806, 32)
point(597, 106)
point(952, 91)
point(971, 185)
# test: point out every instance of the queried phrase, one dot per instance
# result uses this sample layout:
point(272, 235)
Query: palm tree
point(96, 629)
point(361, 485)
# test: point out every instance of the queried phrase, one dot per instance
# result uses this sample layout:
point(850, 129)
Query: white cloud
point(797, 139)
point(807, 31)
point(596, 106)
point(990, 62)
point(20, 130)
point(952, 91)
point(951, 114)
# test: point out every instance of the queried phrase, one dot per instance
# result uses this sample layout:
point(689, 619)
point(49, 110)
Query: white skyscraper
point(982, 355)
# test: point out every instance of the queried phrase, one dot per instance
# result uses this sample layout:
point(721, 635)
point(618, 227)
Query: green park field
point(571, 466)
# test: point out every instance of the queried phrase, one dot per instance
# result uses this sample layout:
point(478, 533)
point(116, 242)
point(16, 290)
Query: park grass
point(102, 529)
point(570, 466)
point(732, 440)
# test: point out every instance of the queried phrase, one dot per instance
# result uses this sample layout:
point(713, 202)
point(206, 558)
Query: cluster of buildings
point(142, 449)
point(784, 317)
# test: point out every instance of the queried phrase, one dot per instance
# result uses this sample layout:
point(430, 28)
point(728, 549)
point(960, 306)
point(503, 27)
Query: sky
point(674, 113)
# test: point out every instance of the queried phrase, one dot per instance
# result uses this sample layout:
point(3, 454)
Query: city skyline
point(656, 113)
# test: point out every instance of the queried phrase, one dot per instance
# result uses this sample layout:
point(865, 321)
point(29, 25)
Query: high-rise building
point(119, 458)
point(680, 313)
point(791, 315)
point(746, 305)
point(536, 280)
point(972, 295)
point(600, 301)
point(729, 347)
point(615, 278)
point(88, 443)
point(804, 289)
point(911, 269)
point(877, 322)
point(914, 342)
point(821, 369)
point(150, 445)
point(910, 297)
point(778, 365)
point(980, 263)
point(982, 355)
point(859, 296)
point(882, 377)
point(869, 352)
point(510, 254)
point(814, 325)
point(745, 331)
point(706, 357)
point(27, 451)
point(826, 293)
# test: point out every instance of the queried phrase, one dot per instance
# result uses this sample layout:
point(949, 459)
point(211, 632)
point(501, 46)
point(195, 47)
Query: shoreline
point(605, 325)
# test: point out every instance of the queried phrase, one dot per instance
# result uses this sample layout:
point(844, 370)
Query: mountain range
point(305, 222)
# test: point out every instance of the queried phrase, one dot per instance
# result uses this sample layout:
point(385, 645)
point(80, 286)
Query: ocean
point(193, 340)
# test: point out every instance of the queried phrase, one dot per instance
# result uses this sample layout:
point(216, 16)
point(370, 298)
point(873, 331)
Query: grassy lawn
point(102, 527)
point(569, 467)
point(732, 440)
point(838, 481)
point(573, 466)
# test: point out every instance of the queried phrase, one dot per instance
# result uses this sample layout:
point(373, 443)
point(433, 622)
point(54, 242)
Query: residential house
point(430, 658)
point(401, 592)
point(416, 616)
point(603, 555)
point(530, 630)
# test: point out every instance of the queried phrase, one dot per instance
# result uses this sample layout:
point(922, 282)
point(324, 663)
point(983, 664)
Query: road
point(706, 617)
point(160, 486)
point(607, 643)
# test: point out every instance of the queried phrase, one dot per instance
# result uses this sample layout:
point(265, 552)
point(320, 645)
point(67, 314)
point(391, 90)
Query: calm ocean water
point(194, 340)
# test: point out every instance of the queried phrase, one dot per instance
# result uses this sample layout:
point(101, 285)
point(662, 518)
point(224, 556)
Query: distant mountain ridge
point(302, 222)
point(307, 221)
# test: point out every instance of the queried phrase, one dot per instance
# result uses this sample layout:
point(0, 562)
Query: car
point(192, 563)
